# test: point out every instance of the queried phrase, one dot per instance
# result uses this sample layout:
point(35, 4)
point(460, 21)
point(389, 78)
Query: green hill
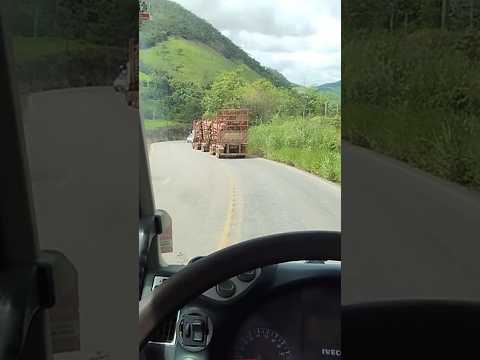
point(334, 87)
point(330, 92)
point(189, 60)
point(182, 44)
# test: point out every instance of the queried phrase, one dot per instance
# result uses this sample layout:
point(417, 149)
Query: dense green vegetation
point(334, 88)
point(411, 87)
point(69, 43)
point(311, 144)
point(264, 99)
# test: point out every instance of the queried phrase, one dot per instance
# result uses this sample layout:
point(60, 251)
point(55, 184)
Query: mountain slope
point(189, 61)
point(334, 87)
point(170, 20)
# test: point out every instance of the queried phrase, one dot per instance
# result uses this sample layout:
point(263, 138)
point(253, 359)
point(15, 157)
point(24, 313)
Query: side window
point(82, 142)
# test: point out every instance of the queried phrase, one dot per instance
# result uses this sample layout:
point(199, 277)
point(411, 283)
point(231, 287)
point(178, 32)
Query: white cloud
point(299, 38)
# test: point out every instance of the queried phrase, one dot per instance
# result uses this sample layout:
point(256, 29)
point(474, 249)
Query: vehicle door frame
point(19, 246)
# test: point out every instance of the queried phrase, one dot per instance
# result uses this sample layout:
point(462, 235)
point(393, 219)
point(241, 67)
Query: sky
point(299, 38)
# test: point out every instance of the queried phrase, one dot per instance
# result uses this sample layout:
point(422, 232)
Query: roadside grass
point(311, 144)
point(156, 124)
point(144, 77)
point(441, 143)
point(416, 99)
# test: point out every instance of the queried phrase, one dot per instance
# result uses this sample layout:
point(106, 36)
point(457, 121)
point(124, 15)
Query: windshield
point(242, 119)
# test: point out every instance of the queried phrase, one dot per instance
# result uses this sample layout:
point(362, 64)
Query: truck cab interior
point(273, 297)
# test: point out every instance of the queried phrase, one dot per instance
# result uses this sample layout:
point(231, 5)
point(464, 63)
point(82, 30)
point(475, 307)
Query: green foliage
point(164, 97)
point(424, 69)
point(185, 100)
point(180, 71)
point(417, 99)
point(311, 144)
point(409, 15)
point(412, 90)
point(144, 78)
point(331, 90)
point(224, 92)
point(263, 99)
point(443, 144)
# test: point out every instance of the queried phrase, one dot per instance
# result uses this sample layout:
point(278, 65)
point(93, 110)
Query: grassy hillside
point(189, 61)
point(334, 88)
point(328, 94)
point(172, 20)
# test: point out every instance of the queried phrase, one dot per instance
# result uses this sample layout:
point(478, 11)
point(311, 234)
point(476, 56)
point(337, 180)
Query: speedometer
point(262, 343)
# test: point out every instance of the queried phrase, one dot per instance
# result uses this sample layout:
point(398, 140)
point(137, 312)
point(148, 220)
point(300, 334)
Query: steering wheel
point(205, 273)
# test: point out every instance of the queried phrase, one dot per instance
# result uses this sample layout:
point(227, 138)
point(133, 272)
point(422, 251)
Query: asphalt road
point(218, 202)
point(406, 234)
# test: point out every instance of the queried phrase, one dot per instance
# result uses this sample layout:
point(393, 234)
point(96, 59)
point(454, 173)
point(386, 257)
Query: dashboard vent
point(165, 332)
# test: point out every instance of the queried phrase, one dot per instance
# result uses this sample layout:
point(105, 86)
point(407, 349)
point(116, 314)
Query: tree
point(185, 101)
point(262, 98)
point(224, 92)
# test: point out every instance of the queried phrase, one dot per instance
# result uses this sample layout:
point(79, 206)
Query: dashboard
point(286, 311)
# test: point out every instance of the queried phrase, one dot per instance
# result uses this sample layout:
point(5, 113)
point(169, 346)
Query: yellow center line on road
point(225, 239)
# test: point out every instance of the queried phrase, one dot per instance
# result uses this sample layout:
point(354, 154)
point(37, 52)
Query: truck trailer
point(206, 125)
point(197, 134)
point(229, 133)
